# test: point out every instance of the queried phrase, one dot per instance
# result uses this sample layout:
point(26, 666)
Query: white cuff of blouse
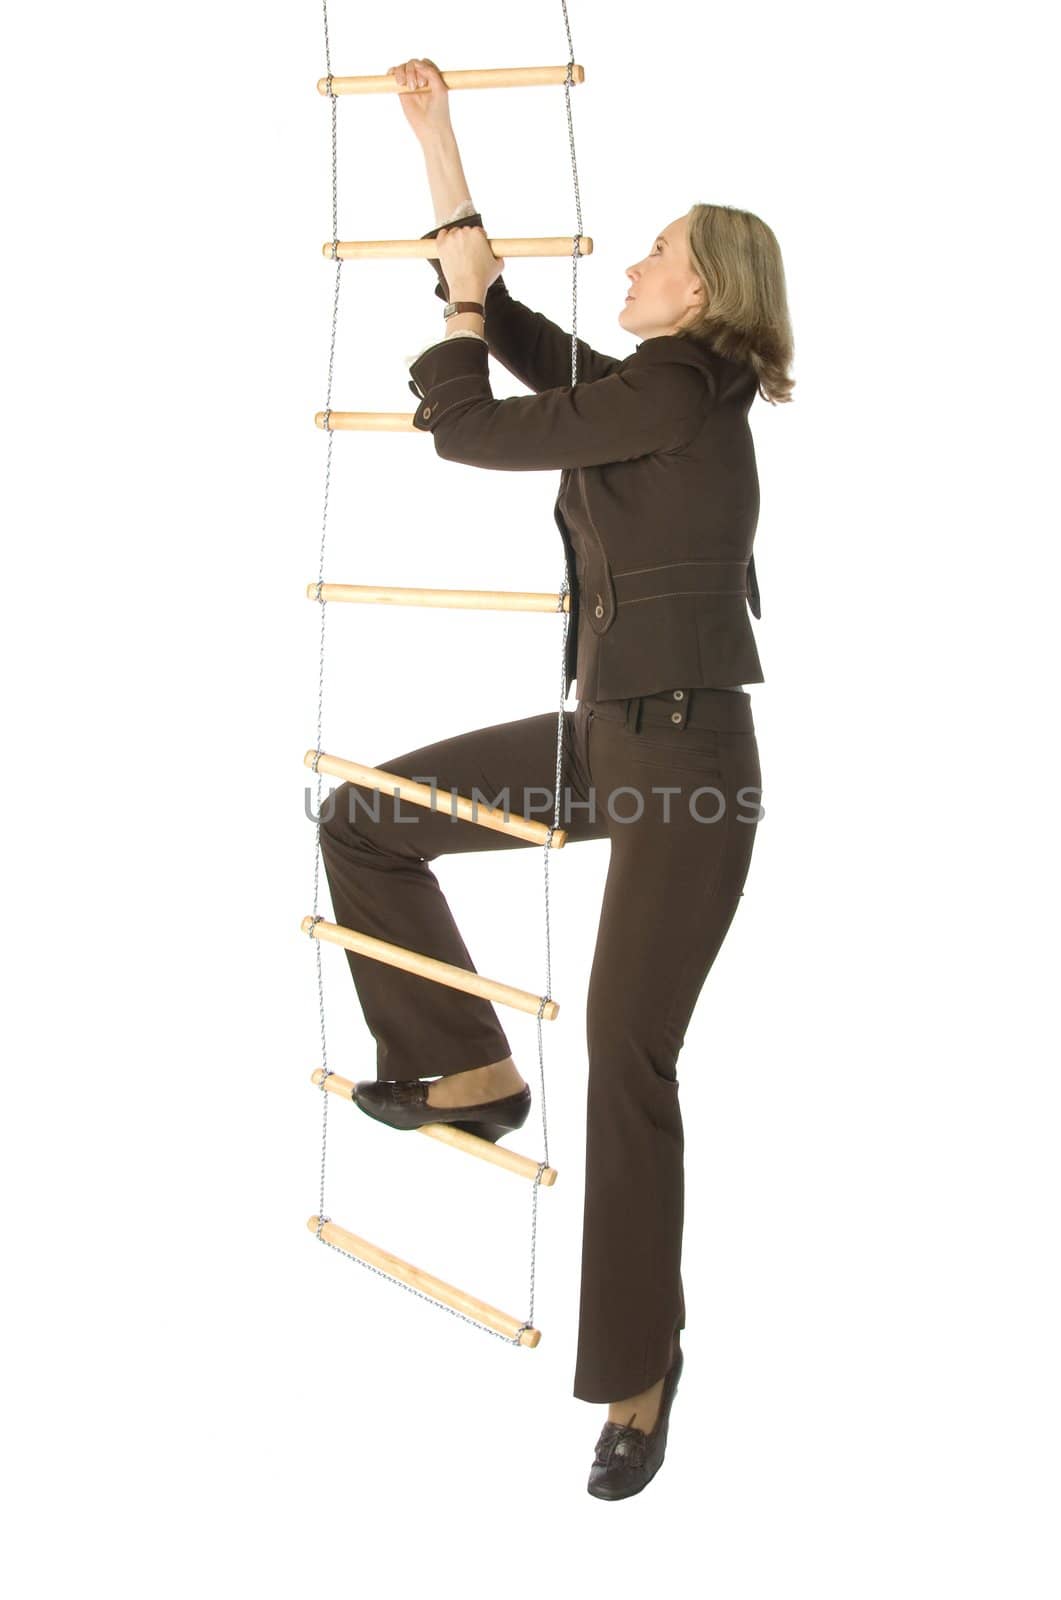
point(465, 209)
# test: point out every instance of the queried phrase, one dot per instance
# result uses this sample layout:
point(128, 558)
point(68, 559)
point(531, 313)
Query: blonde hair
point(745, 312)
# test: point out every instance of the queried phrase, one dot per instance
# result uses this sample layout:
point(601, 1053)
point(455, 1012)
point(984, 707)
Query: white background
point(199, 1397)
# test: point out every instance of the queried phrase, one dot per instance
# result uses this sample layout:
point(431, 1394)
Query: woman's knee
point(343, 812)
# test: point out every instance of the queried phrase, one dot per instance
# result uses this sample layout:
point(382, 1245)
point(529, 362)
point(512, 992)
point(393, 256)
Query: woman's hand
point(427, 110)
point(468, 262)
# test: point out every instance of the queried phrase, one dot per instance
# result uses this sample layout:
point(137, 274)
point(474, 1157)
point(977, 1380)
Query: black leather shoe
point(403, 1104)
point(628, 1458)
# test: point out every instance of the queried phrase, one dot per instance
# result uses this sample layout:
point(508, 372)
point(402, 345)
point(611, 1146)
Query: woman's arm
point(651, 404)
point(527, 344)
point(424, 101)
point(445, 175)
point(533, 349)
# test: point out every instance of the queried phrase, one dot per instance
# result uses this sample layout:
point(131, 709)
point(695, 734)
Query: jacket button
point(427, 412)
point(676, 716)
point(679, 694)
point(598, 611)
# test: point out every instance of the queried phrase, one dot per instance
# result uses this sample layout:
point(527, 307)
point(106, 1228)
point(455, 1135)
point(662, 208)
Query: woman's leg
point(674, 883)
point(376, 851)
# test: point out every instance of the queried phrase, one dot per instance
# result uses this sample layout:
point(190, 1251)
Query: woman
point(657, 508)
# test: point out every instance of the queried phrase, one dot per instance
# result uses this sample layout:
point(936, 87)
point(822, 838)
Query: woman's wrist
point(465, 322)
point(438, 138)
point(468, 291)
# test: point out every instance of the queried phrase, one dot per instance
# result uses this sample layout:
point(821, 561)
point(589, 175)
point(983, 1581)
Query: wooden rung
point(377, 421)
point(367, 421)
point(478, 1310)
point(423, 794)
point(428, 967)
point(455, 599)
point(457, 1138)
point(401, 249)
point(465, 78)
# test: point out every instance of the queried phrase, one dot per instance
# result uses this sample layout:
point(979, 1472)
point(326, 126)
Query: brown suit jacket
point(659, 495)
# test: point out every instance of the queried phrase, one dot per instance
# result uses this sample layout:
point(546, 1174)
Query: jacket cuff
point(445, 374)
point(458, 333)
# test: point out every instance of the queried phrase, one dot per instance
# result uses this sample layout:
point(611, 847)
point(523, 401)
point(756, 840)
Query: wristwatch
point(451, 308)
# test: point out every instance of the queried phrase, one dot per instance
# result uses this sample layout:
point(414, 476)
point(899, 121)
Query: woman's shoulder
point(726, 379)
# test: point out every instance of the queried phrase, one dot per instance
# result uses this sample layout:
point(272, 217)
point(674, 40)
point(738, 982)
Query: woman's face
point(663, 286)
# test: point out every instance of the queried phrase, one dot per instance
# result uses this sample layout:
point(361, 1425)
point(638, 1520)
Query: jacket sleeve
point(527, 344)
point(645, 407)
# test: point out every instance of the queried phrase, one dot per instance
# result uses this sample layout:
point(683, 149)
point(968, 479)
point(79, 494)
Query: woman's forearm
point(445, 174)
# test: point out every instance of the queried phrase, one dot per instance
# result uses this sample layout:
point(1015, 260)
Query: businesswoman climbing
point(657, 509)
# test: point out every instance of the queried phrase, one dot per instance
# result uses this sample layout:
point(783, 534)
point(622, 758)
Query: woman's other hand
point(427, 109)
point(468, 262)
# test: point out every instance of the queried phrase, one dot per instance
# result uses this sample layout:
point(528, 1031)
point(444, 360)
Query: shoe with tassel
point(626, 1458)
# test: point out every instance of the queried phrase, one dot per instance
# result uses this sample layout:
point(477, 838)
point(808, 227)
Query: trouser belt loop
point(633, 713)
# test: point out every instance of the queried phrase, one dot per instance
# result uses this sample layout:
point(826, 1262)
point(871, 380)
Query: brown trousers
point(673, 780)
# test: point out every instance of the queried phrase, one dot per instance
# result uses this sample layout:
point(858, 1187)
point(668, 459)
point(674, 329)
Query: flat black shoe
point(403, 1104)
point(626, 1458)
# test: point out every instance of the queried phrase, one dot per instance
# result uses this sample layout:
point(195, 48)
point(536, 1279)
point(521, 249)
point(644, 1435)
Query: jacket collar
point(675, 347)
point(729, 377)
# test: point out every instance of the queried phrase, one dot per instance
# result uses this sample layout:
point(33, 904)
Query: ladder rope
point(565, 588)
point(561, 607)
